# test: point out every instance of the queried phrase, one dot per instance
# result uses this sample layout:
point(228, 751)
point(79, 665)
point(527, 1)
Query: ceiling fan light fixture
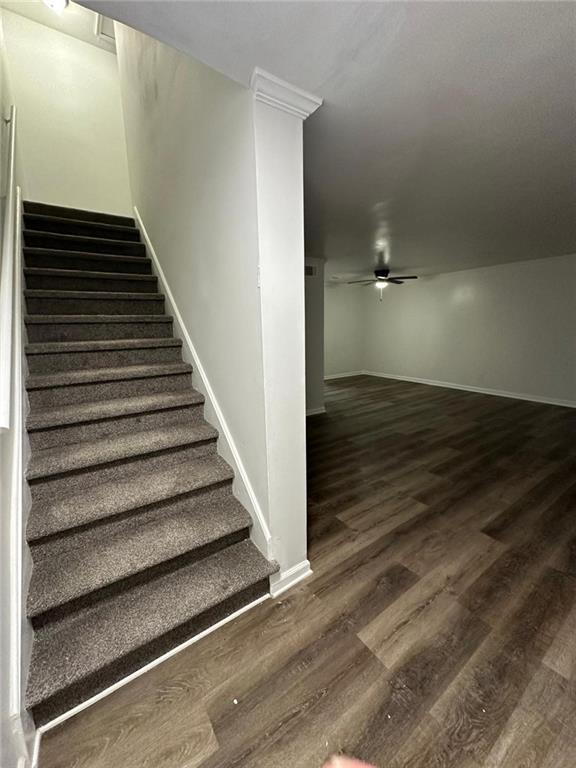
point(58, 6)
point(382, 277)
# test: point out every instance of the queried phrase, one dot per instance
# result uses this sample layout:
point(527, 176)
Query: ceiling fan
point(382, 275)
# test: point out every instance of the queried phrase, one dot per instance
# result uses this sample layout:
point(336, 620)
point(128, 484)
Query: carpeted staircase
point(136, 538)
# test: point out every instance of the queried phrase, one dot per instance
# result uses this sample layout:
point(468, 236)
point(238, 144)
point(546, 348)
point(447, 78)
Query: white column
point(279, 112)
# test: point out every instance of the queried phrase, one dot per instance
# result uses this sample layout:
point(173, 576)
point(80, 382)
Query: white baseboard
point(243, 488)
point(315, 411)
point(479, 390)
point(343, 375)
point(15, 749)
point(285, 580)
point(141, 671)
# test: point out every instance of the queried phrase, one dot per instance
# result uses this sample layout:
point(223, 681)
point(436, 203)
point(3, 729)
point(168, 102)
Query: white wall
point(190, 140)
point(216, 175)
point(510, 328)
point(16, 726)
point(70, 118)
point(314, 300)
point(344, 328)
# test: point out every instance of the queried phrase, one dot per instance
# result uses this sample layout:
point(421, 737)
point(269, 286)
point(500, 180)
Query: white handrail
point(7, 278)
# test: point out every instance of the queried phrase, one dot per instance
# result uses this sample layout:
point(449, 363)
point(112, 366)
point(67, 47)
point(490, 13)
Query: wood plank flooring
point(438, 629)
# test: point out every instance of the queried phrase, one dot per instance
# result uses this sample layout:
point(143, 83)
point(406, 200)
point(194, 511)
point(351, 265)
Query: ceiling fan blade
point(405, 277)
point(355, 282)
point(395, 281)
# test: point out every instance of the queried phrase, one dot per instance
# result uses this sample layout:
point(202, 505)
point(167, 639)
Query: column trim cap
point(277, 93)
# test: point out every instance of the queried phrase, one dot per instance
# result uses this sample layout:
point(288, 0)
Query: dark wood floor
point(439, 628)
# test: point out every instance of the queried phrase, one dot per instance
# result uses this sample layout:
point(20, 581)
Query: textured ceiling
point(447, 135)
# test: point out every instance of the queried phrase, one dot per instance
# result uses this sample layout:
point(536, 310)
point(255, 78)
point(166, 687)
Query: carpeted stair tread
point(125, 547)
point(47, 209)
point(67, 651)
point(41, 293)
point(64, 221)
point(89, 275)
point(79, 413)
point(143, 263)
point(55, 461)
point(97, 275)
point(96, 375)
point(66, 347)
point(61, 302)
point(67, 225)
point(74, 302)
point(61, 241)
point(80, 227)
point(117, 497)
point(95, 319)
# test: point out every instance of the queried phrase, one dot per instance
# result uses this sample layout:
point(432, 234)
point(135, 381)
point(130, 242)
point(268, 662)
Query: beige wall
point(71, 134)
point(343, 328)
point(509, 328)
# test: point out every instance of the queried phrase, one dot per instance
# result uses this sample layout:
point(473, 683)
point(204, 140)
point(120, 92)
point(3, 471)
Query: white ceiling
point(447, 132)
point(75, 21)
